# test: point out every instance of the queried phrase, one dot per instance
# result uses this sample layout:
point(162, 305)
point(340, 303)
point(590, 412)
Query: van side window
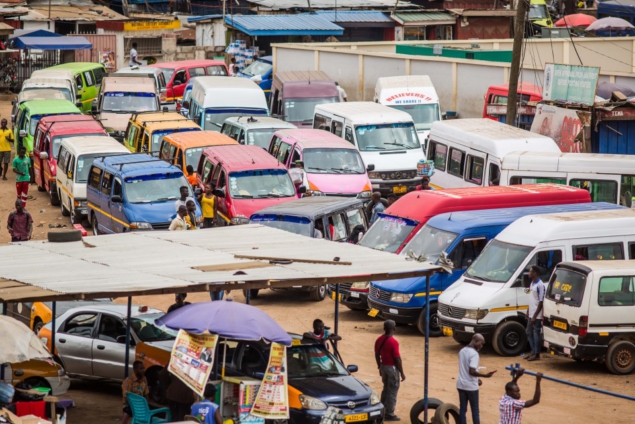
point(467, 251)
point(295, 157)
point(547, 261)
point(117, 191)
point(283, 153)
point(439, 154)
point(348, 135)
point(600, 191)
point(337, 128)
point(171, 153)
point(535, 180)
point(475, 169)
point(79, 81)
point(70, 166)
point(106, 183)
point(337, 227)
point(215, 177)
point(321, 122)
point(61, 163)
point(94, 177)
point(217, 70)
point(197, 72)
point(165, 152)
point(207, 171)
point(494, 176)
point(273, 147)
point(631, 251)
point(100, 73)
point(88, 76)
point(457, 162)
point(598, 252)
point(616, 291)
point(627, 188)
point(180, 77)
point(226, 129)
point(222, 181)
point(132, 135)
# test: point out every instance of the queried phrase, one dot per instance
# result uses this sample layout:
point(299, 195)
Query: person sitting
point(320, 333)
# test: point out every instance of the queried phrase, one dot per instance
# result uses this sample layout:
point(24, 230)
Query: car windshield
point(128, 102)
point(313, 361)
point(147, 331)
point(397, 136)
point(388, 233)
point(333, 161)
point(302, 110)
point(157, 138)
point(214, 118)
point(167, 73)
point(261, 183)
point(430, 241)
point(538, 11)
point(192, 156)
point(498, 262)
point(260, 138)
point(257, 68)
point(84, 162)
point(155, 187)
point(422, 115)
point(566, 286)
point(292, 224)
point(65, 91)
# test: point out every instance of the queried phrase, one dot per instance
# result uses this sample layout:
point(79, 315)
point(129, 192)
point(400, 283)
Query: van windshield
point(566, 286)
point(128, 102)
point(260, 138)
point(388, 233)
point(192, 156)
point(538, 11)
point(333, 161)
point(398, 136)
point(302, 110)
point(498, 262)
point(431, 242)
point(157, 137)
point(214, 118)
point(292, 224)
point(257, 68)
point(84, 162)
point(154, 188)
point(423, 115)
point(260, 184)
point(65, 91)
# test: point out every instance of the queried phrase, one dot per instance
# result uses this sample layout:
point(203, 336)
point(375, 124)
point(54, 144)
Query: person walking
point(510, 405)
point(133, 56)
point(137, 384)
point(537, 290)
point(21, 164)
point(206, 411)
point(6, 139)
point(208, 203)
point(179, 223)
point(378, 207)
point(341, 92)
point(184, 191)
point(390, 367)
point(20, 223)
point(425, 184)
point(179, 302)
point(469, 379)
point(190, 218)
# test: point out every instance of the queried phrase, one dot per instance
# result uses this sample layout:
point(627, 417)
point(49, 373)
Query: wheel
point(37, 325)
point(445, 413)
point(65, 210)
point(318, 293)
point(510, 339)
point(435, 327)
point(417, 410)
point(37, 382)
point(620, 358)
point(64, 235)
point(253, 293)
point(55, 198)
point(95, 226)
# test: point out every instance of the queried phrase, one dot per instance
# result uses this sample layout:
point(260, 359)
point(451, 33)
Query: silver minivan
point(255, 130)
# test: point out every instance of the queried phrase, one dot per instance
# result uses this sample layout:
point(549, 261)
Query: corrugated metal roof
point(72, 13)
point(432, 18)
point(329, 4)
point(360, 16)
point(255, 25)
point(154, 262)
point(203, 18)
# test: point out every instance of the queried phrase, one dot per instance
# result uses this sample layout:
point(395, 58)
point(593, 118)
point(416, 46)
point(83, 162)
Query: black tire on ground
point(64, 235)
point(620, 357)
point(435, 327)
point(95, 225)
point(317, 293)
point(448, 413)
point(253, 293)
point(40, 189)
point(55, 198)
point(37, 325)
point(65, 210)
point(509, 339)
point(417, 410)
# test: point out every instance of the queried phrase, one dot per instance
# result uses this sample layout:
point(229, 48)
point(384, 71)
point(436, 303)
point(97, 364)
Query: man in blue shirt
point(378, 207)
point(206, 410)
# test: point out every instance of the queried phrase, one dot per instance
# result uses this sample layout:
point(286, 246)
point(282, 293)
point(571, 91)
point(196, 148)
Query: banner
point(153, 25)
point(563, 125)
point(192, 357)
point(272, 401)
point(569, 83)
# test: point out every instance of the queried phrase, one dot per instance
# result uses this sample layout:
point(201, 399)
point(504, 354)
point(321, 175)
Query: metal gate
point(104, 50)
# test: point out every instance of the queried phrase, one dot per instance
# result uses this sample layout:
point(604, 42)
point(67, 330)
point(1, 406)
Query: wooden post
point(519, 35)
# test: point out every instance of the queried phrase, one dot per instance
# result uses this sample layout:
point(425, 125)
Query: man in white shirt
point(182, 201)
point(468, 381)
point(341, 92)
point(133, 56)
point(537, 290)
point(179, 223)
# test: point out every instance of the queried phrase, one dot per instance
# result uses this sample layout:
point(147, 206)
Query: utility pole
point(514, 73)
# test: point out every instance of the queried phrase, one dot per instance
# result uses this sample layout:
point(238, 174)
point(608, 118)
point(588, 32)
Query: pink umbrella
point(609, 23)
point(575, 20)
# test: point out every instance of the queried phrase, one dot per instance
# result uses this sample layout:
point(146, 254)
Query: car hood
point(339, 183)
point(154, 213)
point(248, 207)
point(470, 295)
point(404, 285)
point(332, 389)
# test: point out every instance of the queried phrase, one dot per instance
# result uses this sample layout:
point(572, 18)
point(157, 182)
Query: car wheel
point(435, 327)
point(37, 382)
point(55, 198)
point(40, 188)
point(37, 325)
point(95, 225)
point(416, 412)
point(510, 339)
point(620, 358)
point(65, 210)
point(446, 411)
point(318, 293)
point(253, 293)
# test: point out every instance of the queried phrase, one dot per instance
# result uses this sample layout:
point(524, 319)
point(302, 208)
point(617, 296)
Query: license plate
point(373, 312)
point(399, 189)
point(355, 294)
point(559, 324)
point(447, 331)
point(333, 295)
point(355, 418)
point(566, 351)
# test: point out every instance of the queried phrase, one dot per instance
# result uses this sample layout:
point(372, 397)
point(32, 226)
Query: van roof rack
point(121, 164)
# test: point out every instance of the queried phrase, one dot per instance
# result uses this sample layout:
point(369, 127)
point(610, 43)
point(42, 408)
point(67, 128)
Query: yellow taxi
point(38, 373)
point(146, 130)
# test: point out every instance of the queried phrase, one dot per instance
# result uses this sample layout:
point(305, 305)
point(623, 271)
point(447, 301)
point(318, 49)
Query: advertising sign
point(569, 83)
point(192, 357)
point(562, 125)
point(154, 25)
point(272, 401)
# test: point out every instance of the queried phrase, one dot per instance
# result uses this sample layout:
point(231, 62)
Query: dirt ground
point(100, 402)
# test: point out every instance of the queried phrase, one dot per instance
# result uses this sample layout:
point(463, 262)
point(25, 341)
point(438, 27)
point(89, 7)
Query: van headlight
point(315, 192)
point(363, 285)
point(239, 220)
point(80, 203)
point(140, 226)
point(61, 372)
point(374, 398)
point(476, 314)
point(400, 297)
point(309, 402)
point(374, 175)
point(364, 195)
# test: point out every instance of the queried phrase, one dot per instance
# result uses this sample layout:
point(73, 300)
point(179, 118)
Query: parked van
point(253, 131)
point(261, 72)
point(332, 166)
point(413, 94)
point(215, 99)
point(146, 130)
point(148, 72)
point(46, 146)
point(246, 179)
point(43, 94)
point(588, 312)
point(385, 137)
point(75, 159)
point(177, 74)
point(453, 239)
point(492, 296)
point(120, 97)
point(186, 148)
point(401, 221)
point(38, 84)
point(60, 78)
point(183, 104)
point(539, 15)
point(133, 192)
point(495, 106)
point(295, 94)
point(88, 78)
point(469, 152)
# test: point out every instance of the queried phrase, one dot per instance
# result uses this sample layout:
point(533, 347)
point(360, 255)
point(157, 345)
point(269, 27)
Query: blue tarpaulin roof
point(51, 43)
point(203, 18)
point(34, 33)
point(358, 16)
point(259, 25)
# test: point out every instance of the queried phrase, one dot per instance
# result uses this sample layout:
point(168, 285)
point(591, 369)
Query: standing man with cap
point(390, 368)
point(468, 382)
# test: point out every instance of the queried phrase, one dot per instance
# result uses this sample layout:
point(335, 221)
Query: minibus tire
point(64, 235)
point(434, 318)
point(417, 409)
point(447, 413)
point(620, 357)
point(253, 293)
point(317, 293)
point(509, 339)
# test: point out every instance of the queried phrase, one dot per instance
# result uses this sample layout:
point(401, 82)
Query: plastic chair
point(141, 413)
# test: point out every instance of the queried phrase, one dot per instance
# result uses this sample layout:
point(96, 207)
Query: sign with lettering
point(570, 83)
point(151, 25)
point(408, 98)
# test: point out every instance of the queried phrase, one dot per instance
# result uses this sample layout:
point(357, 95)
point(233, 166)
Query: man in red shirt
point(20, 223)
point(390, 368)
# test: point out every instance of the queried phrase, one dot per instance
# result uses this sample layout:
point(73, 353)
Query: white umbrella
point(19, 343)
point(609, 23)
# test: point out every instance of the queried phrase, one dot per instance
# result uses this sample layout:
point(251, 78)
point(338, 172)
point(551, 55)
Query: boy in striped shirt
point(510, 405)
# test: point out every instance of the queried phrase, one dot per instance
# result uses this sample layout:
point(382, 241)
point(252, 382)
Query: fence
point(17, 67)
point(104, 50)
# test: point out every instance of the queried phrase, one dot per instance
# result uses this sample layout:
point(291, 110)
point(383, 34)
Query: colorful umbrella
point(575, 20)
point(609, 23)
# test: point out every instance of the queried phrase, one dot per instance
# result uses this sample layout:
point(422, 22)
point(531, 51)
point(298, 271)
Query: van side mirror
point(178, 82)
point(352, 368)
point(370, 167)
point(79, 105)
point(219, 193)
point(44, 155)
point(22, 133)
point(93, 107)
point(78, 97)
point(186, 104)
point(116, 199)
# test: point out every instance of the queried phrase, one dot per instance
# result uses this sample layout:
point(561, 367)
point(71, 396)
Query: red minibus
point(177, 74)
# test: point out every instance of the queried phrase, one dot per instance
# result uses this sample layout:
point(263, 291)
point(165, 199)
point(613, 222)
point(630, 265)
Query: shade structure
point(577, 19)
point(605, 89)
point(609, 23)
point(19, 343)
point(230, 320)
point(51, 43)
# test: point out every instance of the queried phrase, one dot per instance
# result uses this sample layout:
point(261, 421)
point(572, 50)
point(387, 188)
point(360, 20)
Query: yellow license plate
point(559, 324)
point(355, 418)
point(333, 294)
point(400, 189)
point(447, 331)
point(373, 312)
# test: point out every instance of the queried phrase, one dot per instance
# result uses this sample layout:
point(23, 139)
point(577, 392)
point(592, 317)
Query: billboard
point(570, 83)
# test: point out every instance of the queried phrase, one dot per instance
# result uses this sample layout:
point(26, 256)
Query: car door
point(109, 355)
point(38, 163)
point(62, 176)
point(179, 82)
point(118, 216)
point(105, 188)
point(74, 341)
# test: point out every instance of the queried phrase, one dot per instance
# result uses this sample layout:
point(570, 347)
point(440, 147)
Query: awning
point(6, 29)
point(424, 19)
point(357, 18)
point(51, 43)
point(271, 25)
